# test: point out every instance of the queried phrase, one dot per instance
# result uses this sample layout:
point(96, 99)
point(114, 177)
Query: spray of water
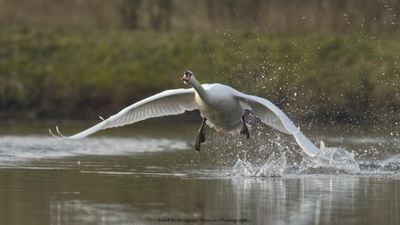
point(331, 161)
point(269, 154)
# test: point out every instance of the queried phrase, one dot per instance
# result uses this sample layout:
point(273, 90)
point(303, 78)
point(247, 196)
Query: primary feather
point(170, 102)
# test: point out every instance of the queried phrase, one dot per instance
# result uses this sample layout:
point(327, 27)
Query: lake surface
point(149, 174)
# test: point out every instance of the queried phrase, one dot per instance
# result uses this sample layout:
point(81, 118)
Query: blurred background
point(321, 61)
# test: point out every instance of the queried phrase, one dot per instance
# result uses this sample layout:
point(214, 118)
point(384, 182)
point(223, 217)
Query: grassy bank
point(325, 77)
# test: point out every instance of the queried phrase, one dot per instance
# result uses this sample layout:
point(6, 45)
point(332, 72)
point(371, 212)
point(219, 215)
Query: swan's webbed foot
point(244, 129)
point(201, 136)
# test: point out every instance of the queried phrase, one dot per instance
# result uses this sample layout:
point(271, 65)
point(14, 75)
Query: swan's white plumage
point(271, 115)
point(170, 102)
point(222, 105)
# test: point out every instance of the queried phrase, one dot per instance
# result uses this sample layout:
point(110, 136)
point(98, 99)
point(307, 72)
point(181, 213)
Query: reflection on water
point(86, 212)
point(79, 198)
point(161, 180)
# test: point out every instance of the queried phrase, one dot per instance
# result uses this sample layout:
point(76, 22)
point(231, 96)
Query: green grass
point(324, 77)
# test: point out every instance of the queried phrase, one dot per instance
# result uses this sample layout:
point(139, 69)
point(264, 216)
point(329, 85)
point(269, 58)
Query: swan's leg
point(201, 137)
point(245, 130)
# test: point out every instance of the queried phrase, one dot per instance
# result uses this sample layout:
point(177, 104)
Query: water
point(149, 174)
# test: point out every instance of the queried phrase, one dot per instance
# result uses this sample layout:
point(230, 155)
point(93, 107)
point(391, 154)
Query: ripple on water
point(17, 148)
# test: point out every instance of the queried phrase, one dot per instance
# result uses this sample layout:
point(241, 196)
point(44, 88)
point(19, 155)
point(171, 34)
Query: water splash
point(330, 161)
point(274, 167)
point(392, 163)
point(242, 168)
point(389, 165)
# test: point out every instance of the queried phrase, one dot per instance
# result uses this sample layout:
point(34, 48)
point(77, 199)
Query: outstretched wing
point(271, 115)
point(170, 102)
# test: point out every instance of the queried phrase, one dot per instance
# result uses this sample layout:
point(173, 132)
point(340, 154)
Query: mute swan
point(221, 107)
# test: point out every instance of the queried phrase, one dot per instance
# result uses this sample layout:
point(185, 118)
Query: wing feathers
point(171, 102)
point(271, 115)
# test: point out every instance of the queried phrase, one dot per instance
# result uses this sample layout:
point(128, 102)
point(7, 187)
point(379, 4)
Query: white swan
point(221, 107)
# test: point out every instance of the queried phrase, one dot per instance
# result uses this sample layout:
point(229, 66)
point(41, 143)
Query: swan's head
point(187, 76)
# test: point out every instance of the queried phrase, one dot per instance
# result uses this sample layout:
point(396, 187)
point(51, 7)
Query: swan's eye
point(188, 73)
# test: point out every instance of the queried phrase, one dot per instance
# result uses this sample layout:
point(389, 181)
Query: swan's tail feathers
point(101, 118)
point(59, 134)
point(308, 147)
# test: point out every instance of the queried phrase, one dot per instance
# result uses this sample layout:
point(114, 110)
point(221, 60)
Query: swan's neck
point(198, 87)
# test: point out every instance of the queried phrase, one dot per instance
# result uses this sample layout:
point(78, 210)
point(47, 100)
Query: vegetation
point(342, 77)
point(206, 15)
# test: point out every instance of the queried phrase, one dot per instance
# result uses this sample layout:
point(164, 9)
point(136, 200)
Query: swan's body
point(221, 107)
point(222, 110)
